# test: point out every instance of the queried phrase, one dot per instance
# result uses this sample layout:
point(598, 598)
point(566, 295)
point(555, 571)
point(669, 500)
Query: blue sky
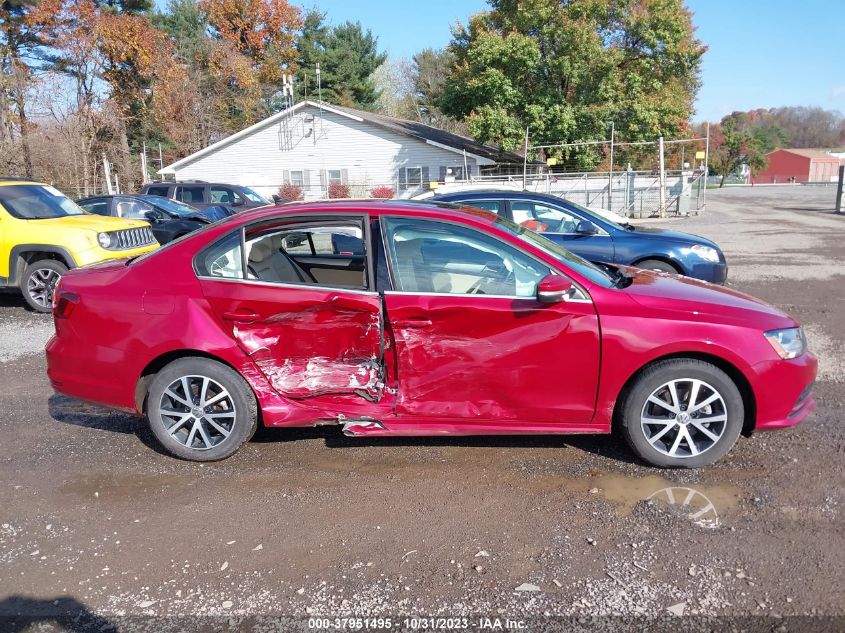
point(762, 53)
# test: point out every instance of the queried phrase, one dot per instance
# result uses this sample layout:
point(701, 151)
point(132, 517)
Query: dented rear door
point(311, 341)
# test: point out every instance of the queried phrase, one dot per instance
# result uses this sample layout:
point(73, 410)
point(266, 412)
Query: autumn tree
point(565, 69)
point(263, 30)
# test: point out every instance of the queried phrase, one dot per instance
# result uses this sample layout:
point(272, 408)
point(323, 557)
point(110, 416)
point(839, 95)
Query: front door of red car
point(296, 297)
point(472, 341)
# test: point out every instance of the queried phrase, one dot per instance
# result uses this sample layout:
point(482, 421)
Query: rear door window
point(158, 190)
point(190, 193)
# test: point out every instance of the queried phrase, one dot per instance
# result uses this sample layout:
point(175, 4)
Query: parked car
point(43, 234)
point(169, 219)
point(400, 318)
point(598, 238)
point(207, 194)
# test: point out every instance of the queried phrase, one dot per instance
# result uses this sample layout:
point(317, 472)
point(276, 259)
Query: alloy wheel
point(198, 412)
point(41, 284)
point(684, 418)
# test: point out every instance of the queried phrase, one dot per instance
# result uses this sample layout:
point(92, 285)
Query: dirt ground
point(98, 527)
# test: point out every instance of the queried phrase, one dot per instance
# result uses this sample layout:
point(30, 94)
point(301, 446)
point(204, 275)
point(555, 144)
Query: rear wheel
point(682, 413)
point(200, 409)
point(656, 264)
point(39, 283)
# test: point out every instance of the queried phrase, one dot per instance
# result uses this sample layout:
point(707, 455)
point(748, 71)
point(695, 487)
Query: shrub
point(290, 193)
point(382, 191)
point(338, 190)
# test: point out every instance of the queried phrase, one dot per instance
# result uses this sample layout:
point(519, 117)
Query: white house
point(313, 144)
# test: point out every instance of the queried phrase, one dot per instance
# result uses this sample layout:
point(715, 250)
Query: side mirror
point(585, 227)
point(151, 216)
point(553, 289)
point(277, 198)
point(238, 202)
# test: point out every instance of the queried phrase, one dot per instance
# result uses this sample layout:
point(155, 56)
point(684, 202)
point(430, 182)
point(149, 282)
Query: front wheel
point(682, 413)
point(39, 283)
point(658, 265)
point(200, 409)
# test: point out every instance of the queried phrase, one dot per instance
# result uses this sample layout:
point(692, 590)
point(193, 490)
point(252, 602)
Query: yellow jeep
point(43, 233)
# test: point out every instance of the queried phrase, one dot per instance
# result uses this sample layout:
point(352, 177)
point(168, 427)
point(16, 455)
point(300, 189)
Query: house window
point(297, 177)
point(413, 176)
point(335, 176)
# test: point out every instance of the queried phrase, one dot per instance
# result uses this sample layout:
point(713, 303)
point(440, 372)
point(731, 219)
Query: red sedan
point(393, 318)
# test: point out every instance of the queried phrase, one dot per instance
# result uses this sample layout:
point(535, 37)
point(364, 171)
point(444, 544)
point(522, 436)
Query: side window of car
point(158, 190)
point(190, 193)
point(222, 195)
point(542, 218)
point(327, 254)
point(442, 258)
point(129, 208)
point(489, 205)
point(222, 259)
point(100, 207)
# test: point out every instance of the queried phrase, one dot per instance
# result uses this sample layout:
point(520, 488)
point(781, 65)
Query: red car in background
point(393, 318)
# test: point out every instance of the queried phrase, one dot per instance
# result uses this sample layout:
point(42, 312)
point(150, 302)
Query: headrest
point(260, 251)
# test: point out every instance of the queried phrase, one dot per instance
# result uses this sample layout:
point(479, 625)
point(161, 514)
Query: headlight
point(788, 343)
point(706, 253)
point(104, 239)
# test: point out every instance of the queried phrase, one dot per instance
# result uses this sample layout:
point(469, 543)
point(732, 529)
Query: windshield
point(37, 202)
point(254, 197)
point(579, 265)
point(171, 206)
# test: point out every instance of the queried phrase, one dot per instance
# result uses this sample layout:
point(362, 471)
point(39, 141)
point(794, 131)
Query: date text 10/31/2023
point(417, 624)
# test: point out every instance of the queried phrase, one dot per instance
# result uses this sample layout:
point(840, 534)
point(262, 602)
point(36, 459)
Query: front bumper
point(784, 391)
point(716, 273)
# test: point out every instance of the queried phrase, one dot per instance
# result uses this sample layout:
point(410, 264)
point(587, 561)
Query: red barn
point(798, 165)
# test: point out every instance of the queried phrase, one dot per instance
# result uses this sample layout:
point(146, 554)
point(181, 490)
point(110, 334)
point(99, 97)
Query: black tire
point(39, 281)
point(656, 264)
point(237, 413)
point(636, 410)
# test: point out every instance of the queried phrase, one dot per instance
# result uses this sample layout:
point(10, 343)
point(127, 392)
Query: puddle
point(706, 506)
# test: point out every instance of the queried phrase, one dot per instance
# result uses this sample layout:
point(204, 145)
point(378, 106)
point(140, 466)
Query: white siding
point(370, 156)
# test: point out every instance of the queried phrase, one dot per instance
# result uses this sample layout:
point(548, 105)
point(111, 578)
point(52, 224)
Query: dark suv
point(207, 194)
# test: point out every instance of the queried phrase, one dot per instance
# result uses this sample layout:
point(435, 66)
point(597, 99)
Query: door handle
point(241, 316)
point(412, 323)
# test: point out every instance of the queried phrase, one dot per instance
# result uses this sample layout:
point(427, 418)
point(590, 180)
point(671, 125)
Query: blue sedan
point(599, 239)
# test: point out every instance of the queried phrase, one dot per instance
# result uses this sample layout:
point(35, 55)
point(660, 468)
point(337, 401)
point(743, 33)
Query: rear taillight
point(63, 303)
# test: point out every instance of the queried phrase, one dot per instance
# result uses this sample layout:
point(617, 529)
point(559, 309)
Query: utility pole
point(706, 167)
point(525, 163)
point(839, 188)
point(610, 174)
point(661, 178)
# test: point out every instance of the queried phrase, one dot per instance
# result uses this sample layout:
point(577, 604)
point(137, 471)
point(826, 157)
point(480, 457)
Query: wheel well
point(29, 257)
point(157, 364)
point(739, 379)
point(661, 258)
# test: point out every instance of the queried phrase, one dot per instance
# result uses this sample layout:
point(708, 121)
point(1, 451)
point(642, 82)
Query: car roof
point(486, 193)
point(12, 180)
point(420, 208)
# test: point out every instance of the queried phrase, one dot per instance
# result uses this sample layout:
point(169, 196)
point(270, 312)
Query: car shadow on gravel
point(71, 411)
point(606, 446)
point(65, 613)
point(13, 299)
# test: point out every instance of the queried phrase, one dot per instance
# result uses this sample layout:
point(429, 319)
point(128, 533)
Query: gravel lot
point(99, 528)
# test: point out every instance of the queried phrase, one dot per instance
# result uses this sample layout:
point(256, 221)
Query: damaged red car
point(399, 318)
